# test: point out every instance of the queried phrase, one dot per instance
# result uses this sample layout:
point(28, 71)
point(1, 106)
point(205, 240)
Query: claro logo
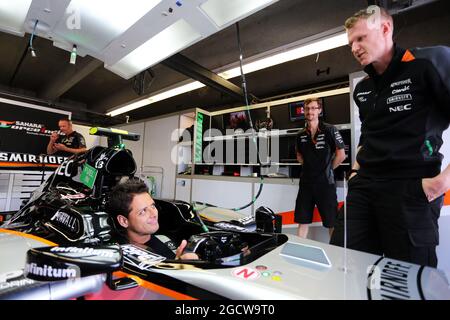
point(406, 107)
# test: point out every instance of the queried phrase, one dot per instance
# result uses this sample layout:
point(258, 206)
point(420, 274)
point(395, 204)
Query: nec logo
point(405, 107)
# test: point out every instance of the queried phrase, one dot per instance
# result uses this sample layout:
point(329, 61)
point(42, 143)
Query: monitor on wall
point(297, 112)
point(238, 120)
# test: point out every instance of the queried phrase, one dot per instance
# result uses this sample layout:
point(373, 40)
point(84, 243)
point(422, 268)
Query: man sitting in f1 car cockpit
point(135, 213)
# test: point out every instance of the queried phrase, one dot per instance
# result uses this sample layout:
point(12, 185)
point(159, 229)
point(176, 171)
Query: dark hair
point(66, 120)
point(122, 195)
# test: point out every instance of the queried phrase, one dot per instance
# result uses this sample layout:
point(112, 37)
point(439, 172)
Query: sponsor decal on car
point(246, 273)
point(394, 280)
point(66, 220)
point(140, 258)
point(83, 251)
point(48, 272)
point(13, 279)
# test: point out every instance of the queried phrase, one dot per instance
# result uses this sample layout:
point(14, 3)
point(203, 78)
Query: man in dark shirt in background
point(320, 149)
point(68, 144)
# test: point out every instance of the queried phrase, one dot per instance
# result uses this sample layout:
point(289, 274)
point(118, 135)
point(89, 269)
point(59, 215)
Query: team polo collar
point(397, 57)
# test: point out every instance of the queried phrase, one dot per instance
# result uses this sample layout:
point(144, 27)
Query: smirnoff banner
point(25, 130)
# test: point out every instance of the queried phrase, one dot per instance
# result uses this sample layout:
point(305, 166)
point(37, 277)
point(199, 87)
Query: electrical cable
point(33, 53)
point(244, 88)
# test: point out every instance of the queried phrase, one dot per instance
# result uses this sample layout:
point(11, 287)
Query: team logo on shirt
point(405, 107)
point(320, 142)
point(399, 98)
point(404, 89)
point(401, 83)
point(360, 95)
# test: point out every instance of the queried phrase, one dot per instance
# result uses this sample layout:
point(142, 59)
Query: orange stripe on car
point(29, 236)
point(154, 287)
point(408, 56)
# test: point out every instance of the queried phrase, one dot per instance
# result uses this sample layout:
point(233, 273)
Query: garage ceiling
point(90, 90)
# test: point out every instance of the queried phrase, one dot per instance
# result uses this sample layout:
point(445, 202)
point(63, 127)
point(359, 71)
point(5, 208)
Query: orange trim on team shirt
point(154, 287)
point(408, 56)
point(29, 236)
point(447, 198)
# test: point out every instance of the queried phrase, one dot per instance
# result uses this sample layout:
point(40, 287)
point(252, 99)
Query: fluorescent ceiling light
point(324, 44)
point(174, 38)
point(101, 21)
point(13, 14)
point(191, 86)
point(223, 12)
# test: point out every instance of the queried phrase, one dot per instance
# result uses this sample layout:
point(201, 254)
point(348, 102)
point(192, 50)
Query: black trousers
point(391, 218)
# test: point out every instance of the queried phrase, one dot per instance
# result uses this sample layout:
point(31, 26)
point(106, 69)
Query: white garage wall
point(91, 140)
point(157, 146)
point(135, 146)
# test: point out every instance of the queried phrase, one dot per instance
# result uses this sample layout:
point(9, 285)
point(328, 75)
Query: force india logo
point(6, 124)
point(28, 127)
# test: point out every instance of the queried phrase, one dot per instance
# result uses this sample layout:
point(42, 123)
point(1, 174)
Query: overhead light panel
point(13, 14)
point(116, 15)
point(223, 12)
point(101, 21)
point(174, 38)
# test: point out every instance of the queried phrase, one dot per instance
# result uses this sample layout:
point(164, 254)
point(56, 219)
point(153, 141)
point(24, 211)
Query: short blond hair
point(366, 14)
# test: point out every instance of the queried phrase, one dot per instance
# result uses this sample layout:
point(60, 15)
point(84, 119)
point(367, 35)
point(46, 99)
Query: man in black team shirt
point(68, 144)
point(134, 210)
point(396, 188)
point(320, 149)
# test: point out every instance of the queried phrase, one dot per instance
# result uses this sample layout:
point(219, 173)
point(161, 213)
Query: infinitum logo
point(84, 251)
point(50, 272)
point(6, 124)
